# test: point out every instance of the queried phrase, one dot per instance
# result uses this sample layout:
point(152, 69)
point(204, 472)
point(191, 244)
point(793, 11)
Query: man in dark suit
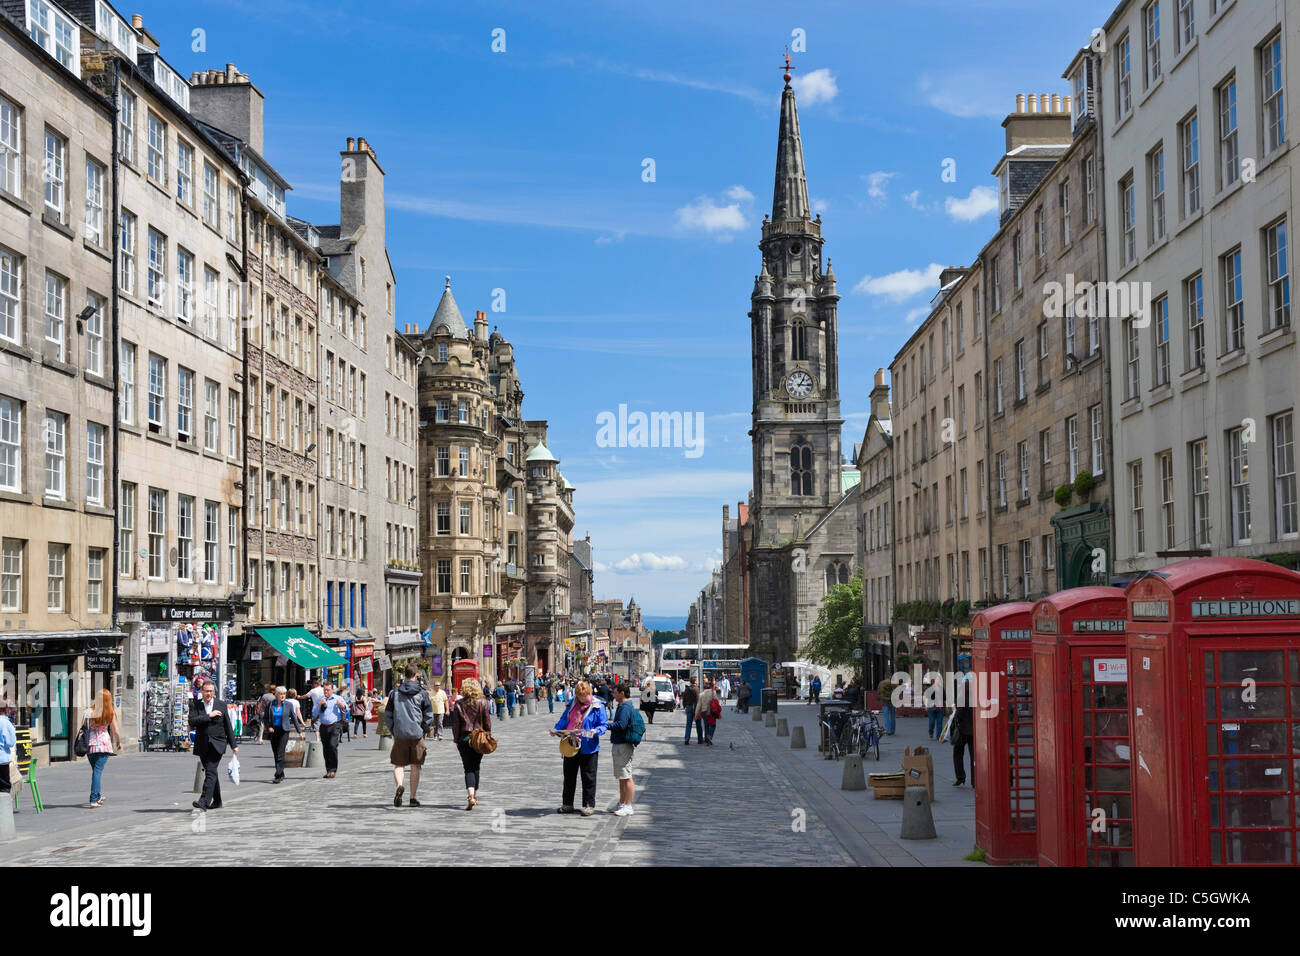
point(210, 719)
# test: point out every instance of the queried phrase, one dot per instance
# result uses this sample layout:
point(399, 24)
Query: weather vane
point(788, 67)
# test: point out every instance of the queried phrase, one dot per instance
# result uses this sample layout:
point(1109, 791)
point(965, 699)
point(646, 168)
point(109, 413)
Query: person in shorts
point(409, 715)
point(623, 750)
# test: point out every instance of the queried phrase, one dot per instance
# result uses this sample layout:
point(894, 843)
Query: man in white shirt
point(314, 695)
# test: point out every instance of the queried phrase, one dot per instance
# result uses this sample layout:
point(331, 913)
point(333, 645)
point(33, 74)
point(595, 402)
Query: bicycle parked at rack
point(861, 734)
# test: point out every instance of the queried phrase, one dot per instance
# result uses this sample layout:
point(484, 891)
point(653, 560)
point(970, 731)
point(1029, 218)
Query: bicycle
point(861, 733)
point(831, 747)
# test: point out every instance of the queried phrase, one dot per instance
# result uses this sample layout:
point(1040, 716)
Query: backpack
point(715, 708)
point(636, 728)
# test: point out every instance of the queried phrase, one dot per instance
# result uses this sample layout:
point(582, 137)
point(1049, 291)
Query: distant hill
point(664, 623)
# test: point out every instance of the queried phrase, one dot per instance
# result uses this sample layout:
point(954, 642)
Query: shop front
point(175, 648)
point(409, 648)
point(52, 677)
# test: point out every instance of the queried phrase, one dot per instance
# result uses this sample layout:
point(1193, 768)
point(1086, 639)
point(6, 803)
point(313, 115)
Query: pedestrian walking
point(691, 697)
point(743, 696)
point(816, 688)
point(934, 711)
point(626, 731)
point(963, 726)
point(724, 689)
point(104, 741)
point(709, 709)
point(499, 697)
point(280, 717)
point(331, 716)
point(885, 692)
point(8, 747)
point(409, 715)
point(470, 713)
point(649, 700)
point(314, 694)
point(268, 695)
point(360, 709)
point(582, 723)
point(550, 694)
point(438, 698)
point(210, 721)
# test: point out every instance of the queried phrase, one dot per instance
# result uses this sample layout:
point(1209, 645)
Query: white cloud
point(917, 314)
point(876, 183)
point(965, 95)
point(618, 236)
point(645, 561)
point(711, 216)
point(902, 285)
point(914, 200)
point(981, 201)
point(740, 194)
point(819, 205)
point(815, 87)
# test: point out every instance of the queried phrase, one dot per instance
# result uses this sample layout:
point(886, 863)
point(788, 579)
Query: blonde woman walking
point(470, 713)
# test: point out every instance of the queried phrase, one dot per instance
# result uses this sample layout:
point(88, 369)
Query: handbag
point(81, 746)
point(481, 741)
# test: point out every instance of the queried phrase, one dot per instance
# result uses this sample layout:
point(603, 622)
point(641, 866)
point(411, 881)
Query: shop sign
point(487, 650)
point(359, 652)
point(437, 664)
point(255, 655)
point(1265, 607)
point(163, 613)
point(366, 665)
point(385, 662)
point(101, 660)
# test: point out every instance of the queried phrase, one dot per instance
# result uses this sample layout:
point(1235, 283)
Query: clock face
point(799, 384)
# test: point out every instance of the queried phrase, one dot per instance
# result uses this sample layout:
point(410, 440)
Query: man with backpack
point(625, 732)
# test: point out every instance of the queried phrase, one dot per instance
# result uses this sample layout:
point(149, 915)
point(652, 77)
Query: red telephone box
point(1004, 736)
point(462, 669)
point(1214, 684)
point(1084, 749)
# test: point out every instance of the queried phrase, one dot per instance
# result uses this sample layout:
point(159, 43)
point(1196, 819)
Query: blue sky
point(522, 170)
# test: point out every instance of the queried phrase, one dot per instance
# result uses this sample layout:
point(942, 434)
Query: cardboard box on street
point(918, 769)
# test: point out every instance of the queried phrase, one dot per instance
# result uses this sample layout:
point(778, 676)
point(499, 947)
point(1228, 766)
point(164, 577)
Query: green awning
point(300, 646)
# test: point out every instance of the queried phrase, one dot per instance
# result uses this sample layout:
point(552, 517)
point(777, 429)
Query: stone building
point(180, 507)
point(57, 372)
point(369, 563)
point(1047, 414)
point(875, 557)
point(284, 371)
point(803, 516)
point(582, 581)
point(735, 575)
point(1198, 189)
point(550, 542)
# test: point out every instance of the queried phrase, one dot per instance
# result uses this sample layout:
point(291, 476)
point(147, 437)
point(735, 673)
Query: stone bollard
point(198, 778)
point(532, 705)
point(385, 743)
point(782, 727)
point(7, 831)
point(769, 719)
point(315, 754)
point(797, 739)
point(854, 778)
point(758, 714)
point(918, 821)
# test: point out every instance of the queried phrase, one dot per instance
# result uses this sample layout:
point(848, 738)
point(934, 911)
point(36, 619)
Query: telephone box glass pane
point(1020, 749)
point(1106, 766)
point(1236, 666)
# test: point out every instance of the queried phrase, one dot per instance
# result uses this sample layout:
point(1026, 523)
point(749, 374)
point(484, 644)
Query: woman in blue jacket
point(583, 721)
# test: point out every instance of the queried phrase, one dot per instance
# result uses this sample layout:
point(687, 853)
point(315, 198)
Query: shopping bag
point(232, 771)
point(948, 726)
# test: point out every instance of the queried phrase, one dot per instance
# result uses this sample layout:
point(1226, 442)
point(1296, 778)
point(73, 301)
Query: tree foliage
point(839, 627)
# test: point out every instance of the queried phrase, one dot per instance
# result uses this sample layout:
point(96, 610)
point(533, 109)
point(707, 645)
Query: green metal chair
point(28, 763)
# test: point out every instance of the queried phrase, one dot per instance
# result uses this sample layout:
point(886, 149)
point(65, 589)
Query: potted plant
point(1083, 483)
point(1063, 495)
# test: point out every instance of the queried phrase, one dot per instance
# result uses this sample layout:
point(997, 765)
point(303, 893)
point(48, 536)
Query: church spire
point(790, 193)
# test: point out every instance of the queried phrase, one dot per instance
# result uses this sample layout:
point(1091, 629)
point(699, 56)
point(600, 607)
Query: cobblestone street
point(695, 805)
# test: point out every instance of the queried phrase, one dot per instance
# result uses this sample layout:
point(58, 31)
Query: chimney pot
point(352, 144)
point(1020, 102)
point(1065, 103)
point(480, 314)
point(1033, 103)
point(1056, 102)
point(137, 21)
point(1045, 103)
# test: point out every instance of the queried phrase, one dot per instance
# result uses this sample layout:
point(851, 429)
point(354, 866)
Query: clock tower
point(796, 409)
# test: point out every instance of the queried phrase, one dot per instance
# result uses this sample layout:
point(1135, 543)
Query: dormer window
point(1004, 189)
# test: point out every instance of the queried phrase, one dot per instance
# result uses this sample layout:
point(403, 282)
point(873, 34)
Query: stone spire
point(790, 194)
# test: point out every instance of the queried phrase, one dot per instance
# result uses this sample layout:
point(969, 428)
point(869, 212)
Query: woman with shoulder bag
point(470, 713)
point(360, 707)
point(102, 741)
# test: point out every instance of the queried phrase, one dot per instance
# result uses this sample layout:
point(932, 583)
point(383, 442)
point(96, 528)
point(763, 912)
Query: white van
point(665, 696)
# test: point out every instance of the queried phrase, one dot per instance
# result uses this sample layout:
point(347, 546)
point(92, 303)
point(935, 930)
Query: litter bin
point(769, 700)
point(832, 712)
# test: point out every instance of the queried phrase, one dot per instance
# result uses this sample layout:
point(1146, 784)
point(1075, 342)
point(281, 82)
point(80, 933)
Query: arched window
point(798, 342)
point(830, 578)
point(844, 574)
point(801, 469)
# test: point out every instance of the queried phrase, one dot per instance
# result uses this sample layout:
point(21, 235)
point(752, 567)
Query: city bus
point(700, 661)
